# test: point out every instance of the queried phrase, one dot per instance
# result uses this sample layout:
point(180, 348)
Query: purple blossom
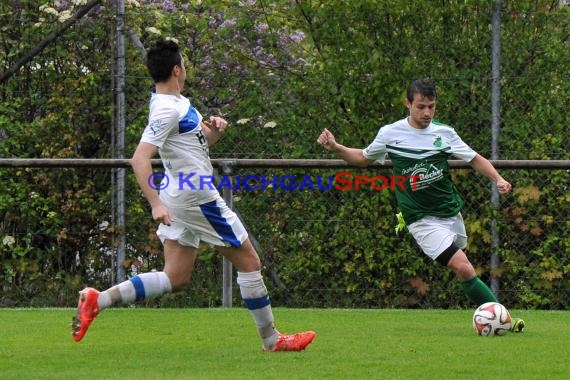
point(212, 23)
point(228, 23)
point(283, 42)
point(260, 28)
point(190, 43)
point(169, 6)
point(270, 59)
point(258, 52)
point(297, 36)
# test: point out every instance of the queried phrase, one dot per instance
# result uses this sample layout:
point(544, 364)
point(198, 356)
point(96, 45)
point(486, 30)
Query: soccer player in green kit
point(430, 204)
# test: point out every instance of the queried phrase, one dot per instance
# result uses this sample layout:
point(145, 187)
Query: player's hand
point(218, 123)
point(327, 140)
point(503, 186)
point(161, 214)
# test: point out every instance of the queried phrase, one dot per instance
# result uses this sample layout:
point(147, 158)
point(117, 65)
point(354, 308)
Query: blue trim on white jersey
point(190, 121)
point(139, 288)
point(256, 303)
point(213, 214)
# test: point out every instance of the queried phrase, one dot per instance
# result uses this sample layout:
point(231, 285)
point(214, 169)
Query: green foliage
point(281, 71)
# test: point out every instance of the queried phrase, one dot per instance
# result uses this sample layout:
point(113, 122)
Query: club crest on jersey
point(437, 142)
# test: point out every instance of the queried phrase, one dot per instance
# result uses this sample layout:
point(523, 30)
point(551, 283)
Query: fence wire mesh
point(321, 248)
point(324, 248)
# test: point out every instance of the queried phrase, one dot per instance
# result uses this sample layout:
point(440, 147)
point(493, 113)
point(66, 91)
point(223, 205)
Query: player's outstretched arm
point(352, 156)
point(484, 166)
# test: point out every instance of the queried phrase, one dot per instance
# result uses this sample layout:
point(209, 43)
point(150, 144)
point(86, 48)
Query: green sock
point(478, 292)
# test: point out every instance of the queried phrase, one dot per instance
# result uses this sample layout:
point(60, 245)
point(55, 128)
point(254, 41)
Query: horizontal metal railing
point(262, 163)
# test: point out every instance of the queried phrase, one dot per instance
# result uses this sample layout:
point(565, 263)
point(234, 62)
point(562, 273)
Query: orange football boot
point(87, 310)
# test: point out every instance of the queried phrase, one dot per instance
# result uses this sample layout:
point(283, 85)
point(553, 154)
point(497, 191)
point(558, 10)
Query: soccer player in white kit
point(188, 209)
point(431, 206)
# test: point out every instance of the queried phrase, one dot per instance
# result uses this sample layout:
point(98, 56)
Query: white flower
point(270, 124)
point(103, 225)
point(242, 121)
point(50, 10)
point(64, 16)
point(153, 30)
point(8, 240)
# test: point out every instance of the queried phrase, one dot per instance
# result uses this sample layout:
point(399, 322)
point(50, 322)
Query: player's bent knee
point(466, 272)
point(462, 267)
point(244, 258)
point(248, 261)
point(445, 257)
point(178, 279)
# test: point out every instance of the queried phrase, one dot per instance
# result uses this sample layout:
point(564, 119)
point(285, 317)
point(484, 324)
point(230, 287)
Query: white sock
point(139, 287)
point(254, 294)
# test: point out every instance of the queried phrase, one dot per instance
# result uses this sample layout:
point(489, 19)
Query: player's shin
point(256, 299)
point(142, 286)
point(478, 292)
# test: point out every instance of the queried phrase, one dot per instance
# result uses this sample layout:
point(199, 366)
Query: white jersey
point(174, 126)
point(420, 155)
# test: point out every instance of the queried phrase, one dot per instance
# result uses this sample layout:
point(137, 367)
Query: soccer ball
point(491, 318)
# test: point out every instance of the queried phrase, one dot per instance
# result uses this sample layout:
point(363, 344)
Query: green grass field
point(138, 343)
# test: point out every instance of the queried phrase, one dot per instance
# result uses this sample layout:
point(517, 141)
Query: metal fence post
point(495, 129)
point(120, 141)
point(227, 267)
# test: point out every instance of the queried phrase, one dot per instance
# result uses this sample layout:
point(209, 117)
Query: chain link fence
point(326, 247)
point(321, 248)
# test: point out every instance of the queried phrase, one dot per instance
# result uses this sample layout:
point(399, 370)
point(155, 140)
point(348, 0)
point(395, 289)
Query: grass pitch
point(138, 343)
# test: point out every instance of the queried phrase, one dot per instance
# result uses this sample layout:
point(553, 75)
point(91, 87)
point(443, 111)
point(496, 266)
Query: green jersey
point(420, 155)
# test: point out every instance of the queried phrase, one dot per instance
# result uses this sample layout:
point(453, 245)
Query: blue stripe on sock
point(213, 213)
point(139, 288)
point(256, 303)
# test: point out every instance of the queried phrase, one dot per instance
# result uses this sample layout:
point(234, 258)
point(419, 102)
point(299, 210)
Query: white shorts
point(434, 235)
point(213, 223)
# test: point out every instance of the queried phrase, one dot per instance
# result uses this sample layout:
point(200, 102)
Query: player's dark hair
point(423, 87)
point(161, 59)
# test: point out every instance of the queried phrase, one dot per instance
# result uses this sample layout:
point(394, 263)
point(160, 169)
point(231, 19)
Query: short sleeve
point(376, 151)
point(459, 149)
point(160, 125)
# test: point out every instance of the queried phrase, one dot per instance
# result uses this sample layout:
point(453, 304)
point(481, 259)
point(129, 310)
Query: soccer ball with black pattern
point(491, 319)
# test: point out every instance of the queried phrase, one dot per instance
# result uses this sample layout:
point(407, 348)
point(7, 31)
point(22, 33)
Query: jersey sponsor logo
point(156, 125)
point(414, 168)
point(426, 176)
